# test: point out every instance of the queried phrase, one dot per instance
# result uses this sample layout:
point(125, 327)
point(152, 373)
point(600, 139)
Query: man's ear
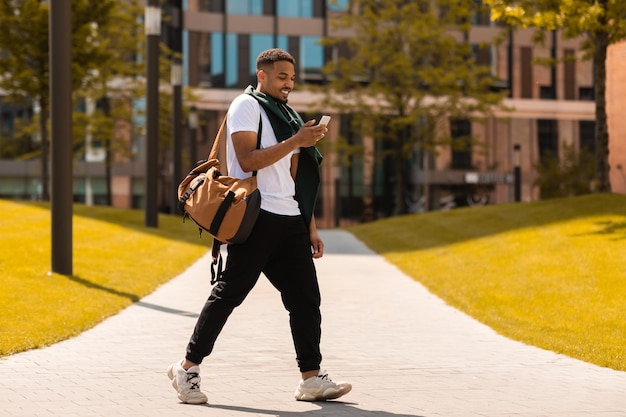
point(261, 75)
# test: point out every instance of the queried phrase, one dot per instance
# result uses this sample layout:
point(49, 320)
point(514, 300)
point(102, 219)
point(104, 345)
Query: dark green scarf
point(285, 122)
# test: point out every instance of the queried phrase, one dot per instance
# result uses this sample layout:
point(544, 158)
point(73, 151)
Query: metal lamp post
point(60, 39)
point(153, 32)
point(517, 173)
point(193, 122)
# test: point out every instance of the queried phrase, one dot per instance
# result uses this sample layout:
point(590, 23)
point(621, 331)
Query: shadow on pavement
point(331, 408)
point(167, 309)
point(88, 284)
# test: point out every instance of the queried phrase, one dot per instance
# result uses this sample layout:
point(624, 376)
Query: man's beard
point(280, 101)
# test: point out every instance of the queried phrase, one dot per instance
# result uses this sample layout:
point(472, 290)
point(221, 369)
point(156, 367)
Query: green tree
point(115, 85)
point(25, 56)
point(408, 69)
point(599, 23)
point(566, 177)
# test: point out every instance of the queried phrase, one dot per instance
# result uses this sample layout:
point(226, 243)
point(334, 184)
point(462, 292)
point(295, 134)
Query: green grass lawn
point(116, 261)
point(549, 273)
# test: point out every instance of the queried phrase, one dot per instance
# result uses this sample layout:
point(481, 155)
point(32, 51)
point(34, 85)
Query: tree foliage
point(566, 177)
point(24, 62)
point(406, 70)
point(599, 23)
point(114, 86)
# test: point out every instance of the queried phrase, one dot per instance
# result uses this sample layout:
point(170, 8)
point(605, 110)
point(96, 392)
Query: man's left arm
point(316, 241)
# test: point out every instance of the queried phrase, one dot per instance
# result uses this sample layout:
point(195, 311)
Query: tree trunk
point(369, 180)
point(108, 164)
point(43, 132)
point(400, 203)
point(602, 132)
point(108, 161)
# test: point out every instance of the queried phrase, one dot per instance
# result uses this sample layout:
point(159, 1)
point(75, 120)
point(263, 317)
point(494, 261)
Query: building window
point(482, 55)
point(569, 74)
point(213, 6)
point(245, 7)
point(309, 54)
point(295, 8)
point(526, 72)
point(283, 42)
point(204, 59)
point(481, 17)
point(548, 138)
point(351, 181)
point(232, 60)
point(139, 121)
point(7, 125)
point(237, 70)
point(311, 58)
point(206, 64)
point(546, 92)
point(337, 5)
point(258, 44)
point(461, 132)
point(587, 136)
point(217, 59)
point(586, 93)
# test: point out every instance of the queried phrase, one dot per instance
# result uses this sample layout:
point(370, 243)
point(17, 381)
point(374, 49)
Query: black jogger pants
point(280, 247)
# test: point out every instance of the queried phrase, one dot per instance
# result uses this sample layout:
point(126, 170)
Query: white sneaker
point(321, 388)
point(187, 383)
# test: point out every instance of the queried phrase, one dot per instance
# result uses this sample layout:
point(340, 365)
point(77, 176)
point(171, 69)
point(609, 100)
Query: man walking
point(284, 240)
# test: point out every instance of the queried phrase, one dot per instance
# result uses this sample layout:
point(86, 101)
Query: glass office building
point(223, 37)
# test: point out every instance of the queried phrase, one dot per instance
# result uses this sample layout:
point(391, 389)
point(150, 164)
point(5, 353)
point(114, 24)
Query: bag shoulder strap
point(216, 143)
point(258, 138)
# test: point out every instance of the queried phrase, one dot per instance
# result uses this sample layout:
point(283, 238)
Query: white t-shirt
point(275, 184)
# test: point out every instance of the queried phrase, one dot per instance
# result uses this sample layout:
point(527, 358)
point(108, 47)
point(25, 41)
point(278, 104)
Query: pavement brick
point(406, 352)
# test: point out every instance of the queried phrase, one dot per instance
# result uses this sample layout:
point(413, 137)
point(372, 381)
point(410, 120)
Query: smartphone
point(324, 120)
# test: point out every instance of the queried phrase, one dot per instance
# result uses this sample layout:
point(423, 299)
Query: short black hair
point(270, 56)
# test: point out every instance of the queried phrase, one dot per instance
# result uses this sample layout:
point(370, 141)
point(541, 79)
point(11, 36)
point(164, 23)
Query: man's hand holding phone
point(312, 132)
point(324, 121)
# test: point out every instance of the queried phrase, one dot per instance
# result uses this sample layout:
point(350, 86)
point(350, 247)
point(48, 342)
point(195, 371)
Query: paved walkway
point(406, 352)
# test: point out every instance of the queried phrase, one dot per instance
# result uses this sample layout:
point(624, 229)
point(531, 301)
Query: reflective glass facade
point(284, 8)
point(245, 7)
point(311, 54)
point(294, 8)
point(213, 65)
point(232, 60)
point(337, 5)
point(223, 53)
point(225, 38)
point(259, 43)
